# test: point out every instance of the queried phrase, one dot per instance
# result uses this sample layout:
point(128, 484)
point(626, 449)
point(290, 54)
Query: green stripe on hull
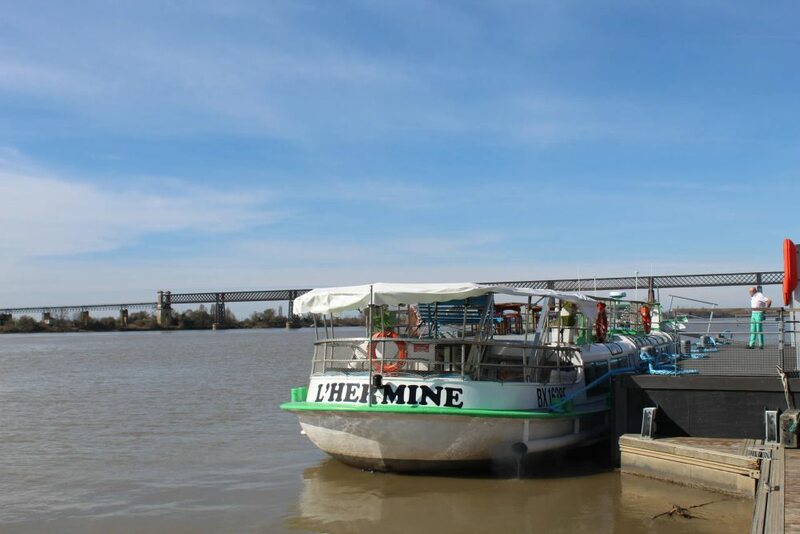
point(431, 410)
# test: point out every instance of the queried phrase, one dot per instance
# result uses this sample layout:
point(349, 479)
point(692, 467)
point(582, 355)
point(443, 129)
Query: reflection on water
point(181, 432)
point(339, 499)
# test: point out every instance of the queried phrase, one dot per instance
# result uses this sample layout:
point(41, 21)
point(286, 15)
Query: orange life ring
point(402, 353)
point(789, 270)
point(644, 311)
point(601, 323)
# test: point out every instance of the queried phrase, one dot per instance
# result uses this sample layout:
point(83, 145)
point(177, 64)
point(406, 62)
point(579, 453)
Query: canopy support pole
point(525, 358)
point(369, 344)
point(464, 337)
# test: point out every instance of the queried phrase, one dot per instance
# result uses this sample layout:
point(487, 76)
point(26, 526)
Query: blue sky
point(236, 145)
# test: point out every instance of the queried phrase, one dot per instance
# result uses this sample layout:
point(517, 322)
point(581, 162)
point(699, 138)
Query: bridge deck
point(572, 284)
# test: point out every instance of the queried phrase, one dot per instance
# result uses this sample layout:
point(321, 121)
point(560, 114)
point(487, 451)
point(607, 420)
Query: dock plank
point(762, 495)
point(792, 493)
point(774, 521)
point(718, 450)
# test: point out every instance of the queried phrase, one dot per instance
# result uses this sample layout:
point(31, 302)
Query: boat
point(451, 376)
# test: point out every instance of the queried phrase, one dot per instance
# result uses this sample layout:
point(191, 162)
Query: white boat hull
point(401, 442)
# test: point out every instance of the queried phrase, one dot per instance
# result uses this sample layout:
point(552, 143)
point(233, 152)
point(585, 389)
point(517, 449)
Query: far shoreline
point(189, 320)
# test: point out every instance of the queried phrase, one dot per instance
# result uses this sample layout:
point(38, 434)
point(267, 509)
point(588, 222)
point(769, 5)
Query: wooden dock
point(791, 480)
point(768, 511)
point(777, 506)
point(770, 474)
point(717, 464)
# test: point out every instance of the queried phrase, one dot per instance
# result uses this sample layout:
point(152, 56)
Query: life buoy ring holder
point(402, 353)
point(601, 323)
point(644, 312)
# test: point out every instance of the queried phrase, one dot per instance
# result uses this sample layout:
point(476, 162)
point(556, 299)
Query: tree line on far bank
point(200, 319)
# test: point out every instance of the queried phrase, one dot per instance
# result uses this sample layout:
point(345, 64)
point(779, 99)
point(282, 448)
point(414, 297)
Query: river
point(181, 432)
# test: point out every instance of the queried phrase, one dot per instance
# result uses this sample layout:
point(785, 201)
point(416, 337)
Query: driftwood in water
point(683, 512)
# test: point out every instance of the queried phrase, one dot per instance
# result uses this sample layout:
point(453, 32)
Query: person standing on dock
point(758, 302)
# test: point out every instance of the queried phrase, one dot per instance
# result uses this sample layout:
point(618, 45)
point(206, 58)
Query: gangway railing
point(735, 343)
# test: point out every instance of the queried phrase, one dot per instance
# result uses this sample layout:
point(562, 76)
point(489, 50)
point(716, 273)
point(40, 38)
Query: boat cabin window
point(557, 366)
point(592, 371)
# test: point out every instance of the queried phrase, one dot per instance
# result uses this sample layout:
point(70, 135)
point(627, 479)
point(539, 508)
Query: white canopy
point(338, 299)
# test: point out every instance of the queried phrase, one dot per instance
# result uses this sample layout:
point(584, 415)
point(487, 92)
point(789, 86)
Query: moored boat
point(448, 375)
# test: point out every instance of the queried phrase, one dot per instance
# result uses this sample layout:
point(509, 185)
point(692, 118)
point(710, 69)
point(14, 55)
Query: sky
point(192, 145)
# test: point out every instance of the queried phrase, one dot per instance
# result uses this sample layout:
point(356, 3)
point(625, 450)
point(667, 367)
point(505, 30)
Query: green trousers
point(757, 329)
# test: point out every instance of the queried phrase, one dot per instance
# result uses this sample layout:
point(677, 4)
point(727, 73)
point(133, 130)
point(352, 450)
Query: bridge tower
point(219, 312)
point(290, 319)
point(84, 318)
point(47, 319)
point(123, 317)
point(164, 308)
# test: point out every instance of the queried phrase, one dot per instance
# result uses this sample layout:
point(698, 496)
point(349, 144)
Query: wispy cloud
point(30, 78)
point(46, 215)
point(288, 75)
point(150, 77)
point(375, 252)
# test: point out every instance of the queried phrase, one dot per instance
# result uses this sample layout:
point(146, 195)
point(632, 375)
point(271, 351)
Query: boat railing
point(470, 359)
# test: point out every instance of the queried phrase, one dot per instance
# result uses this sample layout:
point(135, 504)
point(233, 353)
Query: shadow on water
point(576, 462)
point(576, 491)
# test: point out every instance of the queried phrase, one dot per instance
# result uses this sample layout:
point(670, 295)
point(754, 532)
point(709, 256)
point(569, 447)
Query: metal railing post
point(795, 337)
point(781, 334)
point(369, 343)
point(464, 337)
point(525, 358)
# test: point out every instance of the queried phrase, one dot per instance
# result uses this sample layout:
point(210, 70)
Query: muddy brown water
point(181, 432)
